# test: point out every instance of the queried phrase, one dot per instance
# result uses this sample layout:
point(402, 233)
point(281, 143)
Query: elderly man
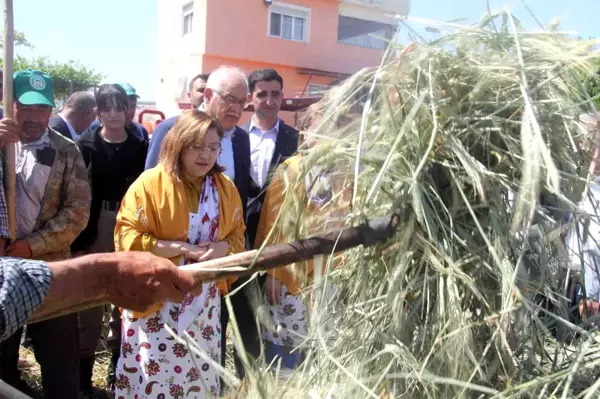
point(225, 97)
point(271, 141)
point(196, 96)
point(53, 201)
point(77, 115)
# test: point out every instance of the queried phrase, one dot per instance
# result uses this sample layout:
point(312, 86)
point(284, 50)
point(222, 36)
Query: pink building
point(309, 42)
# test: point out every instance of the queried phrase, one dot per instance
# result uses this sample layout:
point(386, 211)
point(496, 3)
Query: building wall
point(294, 84)
point(243, 35)
point(235, 32)
point(179, 57)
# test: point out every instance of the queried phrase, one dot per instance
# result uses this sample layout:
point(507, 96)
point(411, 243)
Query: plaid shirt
point(4, 231)
point(23, 286)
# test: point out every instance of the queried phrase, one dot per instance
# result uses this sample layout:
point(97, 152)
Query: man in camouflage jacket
point(65, 206)
point(53, 202)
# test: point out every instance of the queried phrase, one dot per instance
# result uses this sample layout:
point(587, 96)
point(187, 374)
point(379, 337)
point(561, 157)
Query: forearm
point(76, 282)
point(168, 249)
point(23, 286)
point(2, 246)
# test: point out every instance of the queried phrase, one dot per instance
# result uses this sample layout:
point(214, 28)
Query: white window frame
point(290, 10)
point(186, 11)
point(320, 88)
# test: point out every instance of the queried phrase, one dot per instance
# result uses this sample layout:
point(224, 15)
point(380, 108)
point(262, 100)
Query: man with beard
point(53, 202)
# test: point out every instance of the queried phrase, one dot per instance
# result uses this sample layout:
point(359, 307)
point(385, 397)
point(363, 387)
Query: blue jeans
point(288, 360)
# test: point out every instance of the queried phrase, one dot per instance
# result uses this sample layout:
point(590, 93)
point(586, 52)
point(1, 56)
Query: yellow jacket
point(156, 207)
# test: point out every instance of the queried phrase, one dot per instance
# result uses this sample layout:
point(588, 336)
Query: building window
point(316, 90)
point(188, 18)
point(363, 33)
point(290, 22)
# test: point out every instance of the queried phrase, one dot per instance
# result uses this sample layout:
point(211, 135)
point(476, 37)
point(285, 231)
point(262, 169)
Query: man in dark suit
point(271, 141)
point(76, 116)
point(225, 97)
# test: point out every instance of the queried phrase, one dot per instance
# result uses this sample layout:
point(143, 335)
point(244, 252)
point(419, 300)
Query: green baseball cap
point(129, 89)
point(33, 88)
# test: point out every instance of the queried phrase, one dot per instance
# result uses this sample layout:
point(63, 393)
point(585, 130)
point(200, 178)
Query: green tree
point(68, 76)
point(20, 40)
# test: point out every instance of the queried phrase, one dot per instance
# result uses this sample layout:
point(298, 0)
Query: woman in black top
point(115, 158)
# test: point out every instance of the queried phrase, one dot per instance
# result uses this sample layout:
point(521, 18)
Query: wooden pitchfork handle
point(367, 234)
point(9, 150)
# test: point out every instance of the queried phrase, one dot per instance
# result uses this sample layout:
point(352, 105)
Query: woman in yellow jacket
point(187, 210)
point(322, 201)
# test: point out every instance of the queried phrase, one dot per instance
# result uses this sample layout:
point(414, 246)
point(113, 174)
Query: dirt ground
point(30, 371)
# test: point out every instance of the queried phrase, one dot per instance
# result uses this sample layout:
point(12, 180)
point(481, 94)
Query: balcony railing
point(359, 32)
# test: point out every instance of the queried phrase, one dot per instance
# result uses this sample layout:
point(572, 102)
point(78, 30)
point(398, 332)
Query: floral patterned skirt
point(289, 321)
point(153, 364)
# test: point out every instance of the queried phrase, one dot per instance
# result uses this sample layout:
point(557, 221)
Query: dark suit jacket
point(57, 123)
point(286, 146)
point(241, 159)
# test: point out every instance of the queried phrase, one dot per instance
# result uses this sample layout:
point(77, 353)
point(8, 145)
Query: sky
point(117, 38)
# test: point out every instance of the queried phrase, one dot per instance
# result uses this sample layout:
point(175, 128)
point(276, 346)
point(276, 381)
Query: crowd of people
point(104, 213)
point(95, 199)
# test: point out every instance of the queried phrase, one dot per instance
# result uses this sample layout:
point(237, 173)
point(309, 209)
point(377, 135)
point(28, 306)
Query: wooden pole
point(9, 149)
point(368, 234)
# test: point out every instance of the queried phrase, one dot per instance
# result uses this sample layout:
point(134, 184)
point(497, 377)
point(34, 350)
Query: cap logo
point(37, 82)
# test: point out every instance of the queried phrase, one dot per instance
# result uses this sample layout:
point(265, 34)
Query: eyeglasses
point(231, 100)
point(215, 150)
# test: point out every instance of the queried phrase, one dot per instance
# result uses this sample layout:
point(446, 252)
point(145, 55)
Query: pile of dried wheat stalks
point(475, 139)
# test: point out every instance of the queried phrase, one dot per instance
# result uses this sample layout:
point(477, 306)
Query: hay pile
point(475, 140)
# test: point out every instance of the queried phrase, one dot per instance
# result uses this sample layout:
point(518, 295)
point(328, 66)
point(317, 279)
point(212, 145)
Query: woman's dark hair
point(111, 95)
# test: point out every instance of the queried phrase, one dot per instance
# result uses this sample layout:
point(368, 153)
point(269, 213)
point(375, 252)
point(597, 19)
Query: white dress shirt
point(226, 158)
point(74, 135)
point(262, 147)
point(32, 179)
